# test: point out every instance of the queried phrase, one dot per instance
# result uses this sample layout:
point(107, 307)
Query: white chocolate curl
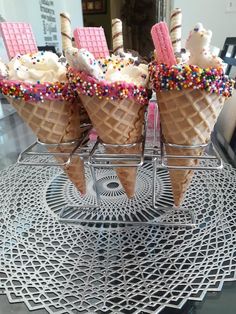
point(175, 29)
point(65, 31)
point(117, 36)
point(83, 60)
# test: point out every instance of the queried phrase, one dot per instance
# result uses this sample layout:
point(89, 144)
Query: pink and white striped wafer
point(162, 42)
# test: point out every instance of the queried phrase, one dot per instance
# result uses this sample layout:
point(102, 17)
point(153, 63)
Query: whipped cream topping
point(138, 75)
point(111, 69)
point(37, 67)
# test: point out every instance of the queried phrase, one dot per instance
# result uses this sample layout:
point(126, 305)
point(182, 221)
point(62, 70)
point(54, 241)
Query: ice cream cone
point(118, 122)
point(190, 99)
point(55, 121)
point(84, 118)
point(115, 101)
point(190, 96)
point(187, 118)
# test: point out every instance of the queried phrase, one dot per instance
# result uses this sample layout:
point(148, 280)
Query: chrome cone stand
point(152, 156)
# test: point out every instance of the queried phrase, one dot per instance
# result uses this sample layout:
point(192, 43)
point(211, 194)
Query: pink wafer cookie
point(162, 43)
point(18, 38)
point(93, 39)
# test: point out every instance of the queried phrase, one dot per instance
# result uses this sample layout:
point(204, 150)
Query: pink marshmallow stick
point(162, 42)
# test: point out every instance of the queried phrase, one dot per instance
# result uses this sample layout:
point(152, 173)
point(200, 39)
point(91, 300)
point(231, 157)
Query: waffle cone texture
point(118, 122)
point(187, 118)
point(55, 121)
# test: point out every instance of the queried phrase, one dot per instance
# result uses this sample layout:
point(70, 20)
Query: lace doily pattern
point(74, 268)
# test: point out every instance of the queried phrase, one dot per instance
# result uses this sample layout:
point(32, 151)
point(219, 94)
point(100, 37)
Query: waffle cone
point(187, 118)
point(84, 118)
point(55, 122)
point(118, 122)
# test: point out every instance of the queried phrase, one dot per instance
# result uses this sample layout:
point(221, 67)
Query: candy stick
point(66, 31)
point(117, 36)
point(162, 43)
point(175, 29)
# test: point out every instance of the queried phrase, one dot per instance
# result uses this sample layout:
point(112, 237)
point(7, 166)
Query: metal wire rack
point(98, 158)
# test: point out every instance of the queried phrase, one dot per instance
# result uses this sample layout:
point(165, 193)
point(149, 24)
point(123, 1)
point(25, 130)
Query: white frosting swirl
point(37, 67)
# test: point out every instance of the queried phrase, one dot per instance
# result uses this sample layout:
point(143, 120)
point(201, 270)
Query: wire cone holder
point(100, 158)
point(107, 268)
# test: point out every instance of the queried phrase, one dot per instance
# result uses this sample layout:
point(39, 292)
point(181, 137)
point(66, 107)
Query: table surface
point(14, 137)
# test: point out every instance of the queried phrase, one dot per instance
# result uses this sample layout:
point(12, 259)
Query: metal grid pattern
point(18, 38)
point(68, 268)
point(114, 206)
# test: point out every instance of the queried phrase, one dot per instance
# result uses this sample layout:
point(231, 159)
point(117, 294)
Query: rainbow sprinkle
point(36, 92)
point(89, 86)
point(181, 76)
